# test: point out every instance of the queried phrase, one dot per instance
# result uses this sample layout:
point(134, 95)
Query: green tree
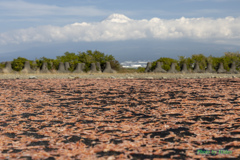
point(166, 63)
point(96, 56)
point(140, 69)
point(201, 59)
point(18, 64)
point(50, 63)
point(188, 61)
point(72, 58)
point(230, 57)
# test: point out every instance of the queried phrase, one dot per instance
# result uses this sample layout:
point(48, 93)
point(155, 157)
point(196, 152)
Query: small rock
point(149, 77)
point(111, 158)
point(129, 77)
point(113, 77)
point(32, 77)
point(70, 77)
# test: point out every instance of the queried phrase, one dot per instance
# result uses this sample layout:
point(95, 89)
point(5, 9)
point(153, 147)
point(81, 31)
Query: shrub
point(201, 60)
point(140, 69)
point(18, 64)
point(166, 63)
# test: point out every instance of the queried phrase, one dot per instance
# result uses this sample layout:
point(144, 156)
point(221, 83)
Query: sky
point(130, 30)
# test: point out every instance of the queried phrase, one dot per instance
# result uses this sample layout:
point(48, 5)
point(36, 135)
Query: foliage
point(189, 62)
point(2, 65)
point(72, 58)
point(96, 56)
point(200, 59)
point(89, 57)
point(50, 63)
point(140, 69)
point(18, 64)
point(230, 57)
point(166, 63)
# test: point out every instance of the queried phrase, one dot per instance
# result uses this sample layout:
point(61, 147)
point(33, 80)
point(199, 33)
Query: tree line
point(87, 57)
point(90, 56)
point(202, 60)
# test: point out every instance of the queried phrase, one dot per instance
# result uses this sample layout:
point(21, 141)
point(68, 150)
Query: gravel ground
point(118, 76)
point(113, 119)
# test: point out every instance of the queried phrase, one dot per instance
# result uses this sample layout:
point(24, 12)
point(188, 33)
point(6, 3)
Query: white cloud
point(119, 27)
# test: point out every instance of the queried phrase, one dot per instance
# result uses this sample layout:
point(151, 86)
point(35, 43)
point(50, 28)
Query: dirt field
point(118, 118)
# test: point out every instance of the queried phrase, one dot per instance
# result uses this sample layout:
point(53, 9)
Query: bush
point(96, 56)
point(2, 65)
point(18, 64)
point(201, 60)
point(50, 63)
point(166, 63)
point(189, 62)
point(140, 69)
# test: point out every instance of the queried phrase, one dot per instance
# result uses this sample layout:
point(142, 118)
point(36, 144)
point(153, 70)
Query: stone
point(184, 68)
point(108, 68)
point(149, 78)
point(209, 69)
point(158, 68)
point(52, 70)
point(67, 66)
point(79, 68)
point(99, 67)
point(233, 69)
point(148, 67)
point(35, 68)
point(130, 77)
point(27, 68)
point(221, 69)
point(71, 77)
point(7, 68)
point(93, 68)
point(83, 66)
point(197, 69)
point(44, 68)
point(32, 77)
point(61, 68)
point(173, 69)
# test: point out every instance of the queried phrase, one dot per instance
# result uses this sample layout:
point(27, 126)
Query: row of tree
point(227, 60)
point(87, 57)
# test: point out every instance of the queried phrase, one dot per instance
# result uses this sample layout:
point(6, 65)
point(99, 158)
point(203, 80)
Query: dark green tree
point(188, 61)
point(72, 58)
point(166, 63)
point(96, 56)
point(230, 57)
point(201, 59)
point(50, 62)
point(18, 64)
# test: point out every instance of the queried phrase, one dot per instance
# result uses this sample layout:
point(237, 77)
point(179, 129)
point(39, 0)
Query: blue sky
point(127, 29)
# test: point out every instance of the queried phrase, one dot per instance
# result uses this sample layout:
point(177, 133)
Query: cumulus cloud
point(119, 27)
